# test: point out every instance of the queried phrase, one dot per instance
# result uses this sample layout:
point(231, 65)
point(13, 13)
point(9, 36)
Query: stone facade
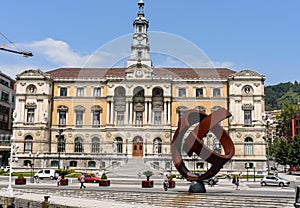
point(93, 118)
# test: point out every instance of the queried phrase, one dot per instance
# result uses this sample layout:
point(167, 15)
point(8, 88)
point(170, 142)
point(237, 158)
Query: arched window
point(95, 145)
point(78, 147)
point(157, 143)
point(91, 164)
point(248, 146)
point(118, 145)
point(200, 108)
point(102, 164)
point(61, 144)
point(28, 144)
point(181, 111)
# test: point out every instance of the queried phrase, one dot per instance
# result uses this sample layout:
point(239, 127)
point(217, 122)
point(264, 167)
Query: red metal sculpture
point(194, 143)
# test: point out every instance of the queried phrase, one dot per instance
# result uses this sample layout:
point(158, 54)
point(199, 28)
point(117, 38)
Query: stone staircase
point(132, 168)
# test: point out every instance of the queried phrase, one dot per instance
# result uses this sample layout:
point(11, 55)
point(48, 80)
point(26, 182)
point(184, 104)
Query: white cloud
point(57, 52)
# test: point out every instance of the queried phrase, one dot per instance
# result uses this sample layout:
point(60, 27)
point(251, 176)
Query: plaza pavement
point(127, 192)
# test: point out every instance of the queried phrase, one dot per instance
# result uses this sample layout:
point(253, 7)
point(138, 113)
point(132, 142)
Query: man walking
point(82, 180)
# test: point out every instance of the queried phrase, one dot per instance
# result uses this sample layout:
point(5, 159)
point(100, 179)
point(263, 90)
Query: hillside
point(282, 93)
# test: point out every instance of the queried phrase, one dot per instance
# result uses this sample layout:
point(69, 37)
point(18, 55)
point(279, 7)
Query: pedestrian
point(82, 180)
point(276, 172)
point(166, 182)
point(237, 183)
point(233, 182)
point(241, 175)
point(58, 180)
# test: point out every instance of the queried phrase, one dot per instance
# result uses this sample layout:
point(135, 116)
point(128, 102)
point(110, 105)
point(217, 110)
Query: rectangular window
point(96, 118)
point(139, 118)
point(181, 92)
point(28, 146)
point(157, 117)
point(247, 117)
point(4, 96)
point(62, 117)
point(80, 91)
point(63, 91)
point(97, 92)
point(216, 92)
point(79, 118)
point(199, 92)
point(120, 117)
point(30, 115)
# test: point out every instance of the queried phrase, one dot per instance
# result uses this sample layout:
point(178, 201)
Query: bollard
point(297, 198)
point(46, 203)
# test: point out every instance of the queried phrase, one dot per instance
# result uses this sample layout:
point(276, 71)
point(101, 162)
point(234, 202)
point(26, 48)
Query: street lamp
point(267, 140)
point(13, 151)
point(60, 138)
point(32, 165)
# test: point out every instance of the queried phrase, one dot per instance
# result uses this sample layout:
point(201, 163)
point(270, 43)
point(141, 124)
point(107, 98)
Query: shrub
point(171, 176)
point(20, 176)
point(103, 176)
point(148, 174)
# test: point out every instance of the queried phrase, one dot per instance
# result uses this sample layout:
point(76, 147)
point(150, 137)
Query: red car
point(290, 170)
point(88, 178)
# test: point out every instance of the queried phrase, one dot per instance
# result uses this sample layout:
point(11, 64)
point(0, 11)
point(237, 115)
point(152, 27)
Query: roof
point(174, 73)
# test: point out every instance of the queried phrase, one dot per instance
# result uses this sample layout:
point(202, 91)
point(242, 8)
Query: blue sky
point(260, 35)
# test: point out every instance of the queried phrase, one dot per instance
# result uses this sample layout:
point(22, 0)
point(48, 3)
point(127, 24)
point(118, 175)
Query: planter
point(64, 182)
point(171, 184)
point(103, 182)
point(147, 184)
point(20, 181)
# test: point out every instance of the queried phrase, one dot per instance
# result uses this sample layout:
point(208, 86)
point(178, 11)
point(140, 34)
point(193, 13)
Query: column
point(107, 112)
point(169, 112)
point(126, 113)
point(112, 113)
point(150, 113)
point(146, 114)
point(130, 112)
point(165, 112)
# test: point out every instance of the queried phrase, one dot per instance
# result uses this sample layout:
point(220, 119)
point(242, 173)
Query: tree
point(294, 152)
point(286, 152)
point(283, 118)
point(279, 151)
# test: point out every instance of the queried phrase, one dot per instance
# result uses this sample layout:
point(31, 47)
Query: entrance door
point(137, 147)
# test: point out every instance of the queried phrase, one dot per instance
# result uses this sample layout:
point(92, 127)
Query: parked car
point(45, 173)
point(274, 180)
point(89, 178)
point(290, 170)
point(5, 168)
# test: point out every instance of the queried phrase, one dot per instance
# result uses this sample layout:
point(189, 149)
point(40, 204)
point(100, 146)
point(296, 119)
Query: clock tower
point(140, 47)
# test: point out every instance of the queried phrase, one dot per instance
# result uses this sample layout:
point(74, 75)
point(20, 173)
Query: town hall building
point(97, 118)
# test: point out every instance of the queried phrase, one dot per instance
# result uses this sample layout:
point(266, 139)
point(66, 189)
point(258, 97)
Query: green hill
point(283, 93)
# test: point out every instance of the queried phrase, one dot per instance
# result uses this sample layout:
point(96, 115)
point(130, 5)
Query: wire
point(9, 40)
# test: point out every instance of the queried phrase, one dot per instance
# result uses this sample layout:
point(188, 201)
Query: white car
point(45, 173)
point(274, 180)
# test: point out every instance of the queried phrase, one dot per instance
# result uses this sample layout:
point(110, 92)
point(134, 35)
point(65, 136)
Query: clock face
point(247, 90)
point(139, 73)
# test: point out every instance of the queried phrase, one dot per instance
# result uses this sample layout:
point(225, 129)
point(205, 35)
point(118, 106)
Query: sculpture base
point(197, 187)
